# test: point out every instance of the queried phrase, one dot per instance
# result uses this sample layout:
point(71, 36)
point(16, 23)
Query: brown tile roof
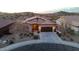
point(44, 20)
point(4, 23)
point(34, 18)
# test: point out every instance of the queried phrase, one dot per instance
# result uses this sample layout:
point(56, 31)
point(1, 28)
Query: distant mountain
point(71, 9)
point(50, 16)
point(64, 13)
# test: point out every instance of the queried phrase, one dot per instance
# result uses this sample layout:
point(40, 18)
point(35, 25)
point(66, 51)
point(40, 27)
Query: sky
point(37, 6)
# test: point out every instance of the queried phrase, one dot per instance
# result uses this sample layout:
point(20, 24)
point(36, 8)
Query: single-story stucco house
point(69, 22)
point(35, 24)
point(40, 24)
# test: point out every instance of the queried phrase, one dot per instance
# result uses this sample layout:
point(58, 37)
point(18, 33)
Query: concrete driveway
point(49, 36)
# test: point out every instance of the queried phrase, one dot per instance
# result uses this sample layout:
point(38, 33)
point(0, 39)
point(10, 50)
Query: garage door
point(46, 29)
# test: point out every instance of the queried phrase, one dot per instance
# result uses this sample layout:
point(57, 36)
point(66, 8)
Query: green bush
point(69, 30)
point(77, 33)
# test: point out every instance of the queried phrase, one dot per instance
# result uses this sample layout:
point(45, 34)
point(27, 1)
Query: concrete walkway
point(45, 37)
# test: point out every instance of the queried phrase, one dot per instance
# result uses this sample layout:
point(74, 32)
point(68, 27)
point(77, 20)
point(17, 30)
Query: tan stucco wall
point(30, 28)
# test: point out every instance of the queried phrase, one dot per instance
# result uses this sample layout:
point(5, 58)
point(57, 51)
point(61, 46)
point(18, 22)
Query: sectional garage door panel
point(46, 29)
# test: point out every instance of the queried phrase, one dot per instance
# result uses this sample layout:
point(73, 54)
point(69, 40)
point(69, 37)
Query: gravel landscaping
point(11, 39)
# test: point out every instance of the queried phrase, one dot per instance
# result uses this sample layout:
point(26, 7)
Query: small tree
point(69, 30)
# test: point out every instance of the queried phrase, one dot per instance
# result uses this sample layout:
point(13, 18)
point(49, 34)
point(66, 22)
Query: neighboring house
point(4, 26)
point(69, 22)
point(40, 24)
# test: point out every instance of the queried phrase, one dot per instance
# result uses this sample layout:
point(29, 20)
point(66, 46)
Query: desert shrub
point(69, 30)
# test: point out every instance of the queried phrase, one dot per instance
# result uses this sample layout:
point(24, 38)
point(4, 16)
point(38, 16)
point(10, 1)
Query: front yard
point(70, 35)
point(15, 38)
